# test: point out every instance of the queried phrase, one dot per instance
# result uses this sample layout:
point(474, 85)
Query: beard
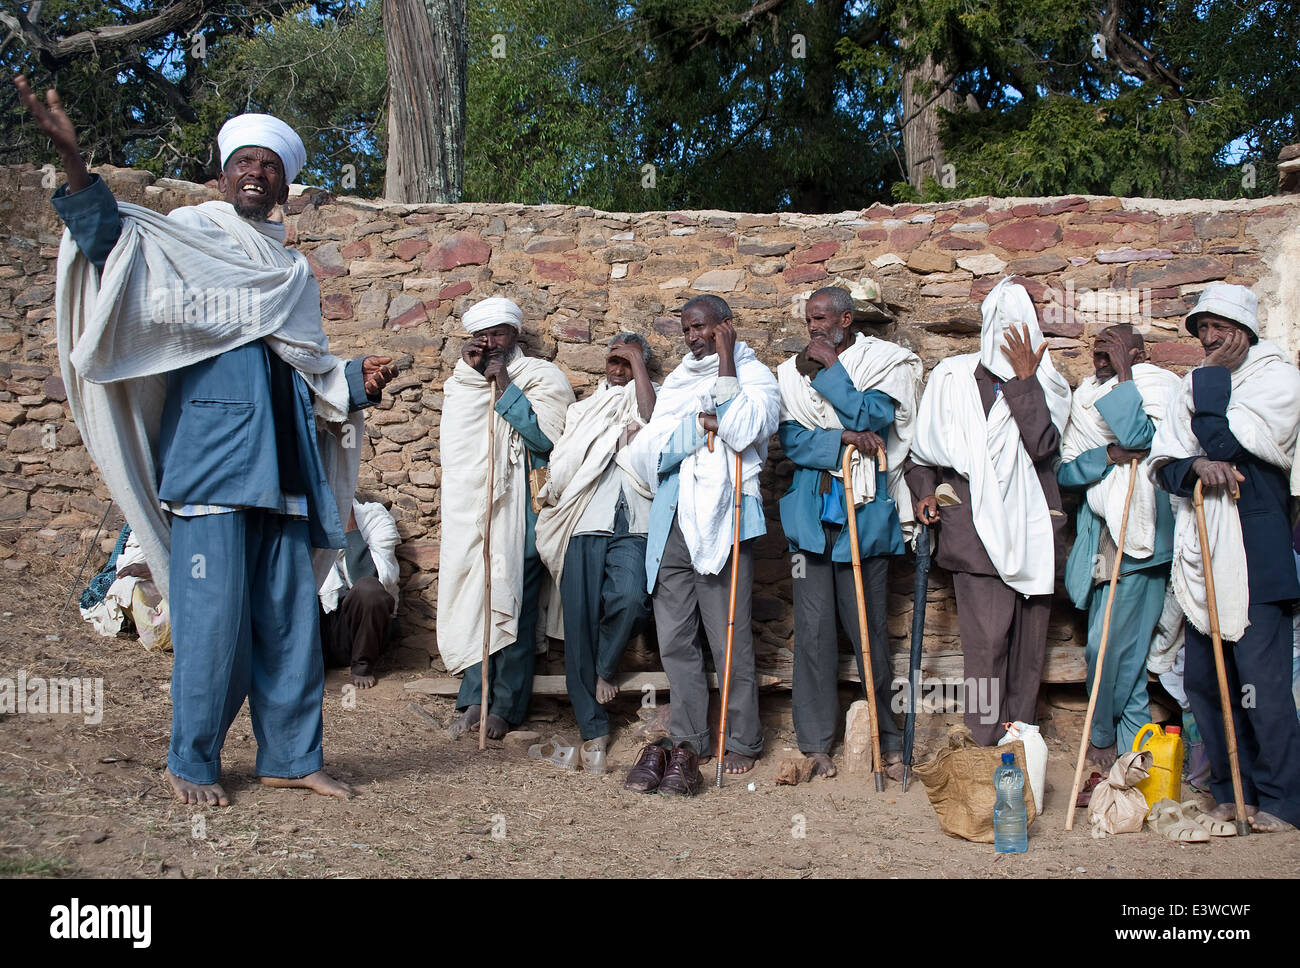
point(834, 337)
point(257, 211)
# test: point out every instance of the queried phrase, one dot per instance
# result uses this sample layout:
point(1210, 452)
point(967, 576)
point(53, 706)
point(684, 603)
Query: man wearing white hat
point(202, 383)
point(515, 404)
point(1232, 425)
point(986, 436)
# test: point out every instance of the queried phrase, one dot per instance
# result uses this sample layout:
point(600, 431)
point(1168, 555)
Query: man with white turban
point(496, 397)
point(720, 388)
point(1232, 425)
point(981, 469)
point(1113, 415)
point(201, 381)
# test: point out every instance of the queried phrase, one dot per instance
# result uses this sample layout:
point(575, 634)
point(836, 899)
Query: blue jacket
point(1263, 505)
point(237, 429)
point(1133, 429)
point(815, 451)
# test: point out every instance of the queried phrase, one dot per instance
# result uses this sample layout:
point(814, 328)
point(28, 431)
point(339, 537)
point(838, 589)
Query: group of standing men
point(229, 437)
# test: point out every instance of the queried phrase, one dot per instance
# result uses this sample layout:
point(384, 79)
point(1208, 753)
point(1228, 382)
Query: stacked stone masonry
point(395, 279)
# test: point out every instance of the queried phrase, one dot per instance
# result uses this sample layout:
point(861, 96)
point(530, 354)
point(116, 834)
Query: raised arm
point(57, 126)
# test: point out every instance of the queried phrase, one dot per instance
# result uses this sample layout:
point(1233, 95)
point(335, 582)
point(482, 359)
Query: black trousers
point(356, 633)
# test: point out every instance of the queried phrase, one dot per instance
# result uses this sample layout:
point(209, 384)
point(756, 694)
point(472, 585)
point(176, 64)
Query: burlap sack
point(1115, 807)
point(959, 783)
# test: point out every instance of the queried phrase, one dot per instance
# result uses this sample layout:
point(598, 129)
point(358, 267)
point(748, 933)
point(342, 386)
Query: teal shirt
point(514, 407)
point(816, 450)
point(1133, 429)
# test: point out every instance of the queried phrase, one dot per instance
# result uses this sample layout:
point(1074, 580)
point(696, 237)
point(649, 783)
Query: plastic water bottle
point(1010, 824)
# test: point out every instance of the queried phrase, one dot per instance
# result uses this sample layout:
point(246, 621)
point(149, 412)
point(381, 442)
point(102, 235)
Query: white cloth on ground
point(176, 290)
point(1264, 415)
point(706, 479)
point(379, 531)
point(468, 405)
point(1087, 429)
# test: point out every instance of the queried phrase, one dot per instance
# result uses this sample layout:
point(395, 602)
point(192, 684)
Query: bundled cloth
point(1117, 807)
point(177, 290)
point(1087, 429)
point(872, 364)
point(592, 429)
point(379, 531)
point(468, 406)
point(704, 507)
point(1264, 415)
point(1007, 503)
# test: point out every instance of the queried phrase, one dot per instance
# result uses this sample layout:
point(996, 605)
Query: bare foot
point(1266, 823)
point(893, 763)
point(605, 690)
point(496, 726)
point(320, 782)
point(203, 793)
point(363, 682)
point(1228, 812)
point(1103, 756)
point(737, 762)
point(463, 723)
point(822, 764)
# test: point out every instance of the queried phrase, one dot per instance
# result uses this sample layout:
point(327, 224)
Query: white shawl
point(705, 497)
point(468, 404)
point(1087, 429)
point(1264, 416)
point(379, 531)
point(176, 290)
point(872, 364)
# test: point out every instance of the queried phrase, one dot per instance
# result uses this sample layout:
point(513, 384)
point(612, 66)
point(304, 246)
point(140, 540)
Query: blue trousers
point(244, 624)
point(603, 590)
point(1258, 668)
point(510, 670)
point(1123, 707)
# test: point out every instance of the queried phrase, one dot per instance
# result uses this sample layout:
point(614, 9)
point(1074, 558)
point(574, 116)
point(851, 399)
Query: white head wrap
point(263, 131)
point(1007, 306)
point(492, 312)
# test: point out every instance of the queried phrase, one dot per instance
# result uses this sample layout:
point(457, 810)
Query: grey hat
point(1236, 303)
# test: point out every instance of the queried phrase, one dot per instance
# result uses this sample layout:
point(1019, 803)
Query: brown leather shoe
point(682, 777)
point(648, 772)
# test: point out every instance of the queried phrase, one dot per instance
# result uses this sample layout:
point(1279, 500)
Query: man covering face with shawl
point(203, 386)
point(1113, 416)
point(981, 470)
point(861, 391)
point(720, 388)
point(514, 404)
point(1232, 426)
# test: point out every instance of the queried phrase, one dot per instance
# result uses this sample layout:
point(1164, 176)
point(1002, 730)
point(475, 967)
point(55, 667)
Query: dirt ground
point(90, 800)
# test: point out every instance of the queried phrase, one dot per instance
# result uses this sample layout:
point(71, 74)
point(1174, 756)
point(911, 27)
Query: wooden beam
point(556, 686)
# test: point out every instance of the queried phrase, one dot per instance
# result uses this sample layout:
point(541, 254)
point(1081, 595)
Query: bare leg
point(201, 793)
point(319, 782)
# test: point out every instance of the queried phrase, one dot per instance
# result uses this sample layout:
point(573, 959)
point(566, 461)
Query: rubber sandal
point(593, 758)
point(1215, 828)
point(1085, 795)
point(555, 753)
point(1167, 817)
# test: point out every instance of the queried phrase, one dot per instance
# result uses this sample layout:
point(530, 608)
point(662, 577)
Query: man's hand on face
point(1218, 473)
point(1024, 361)
point(1120, 354)
point(376, 373)
point(496, 370)
point(724, 335)
point(1231, 351)
point(821, 350)
point(864, 440)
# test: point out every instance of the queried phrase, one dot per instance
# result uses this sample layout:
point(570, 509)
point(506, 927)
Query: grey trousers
point(681, 599)
point(825, 588)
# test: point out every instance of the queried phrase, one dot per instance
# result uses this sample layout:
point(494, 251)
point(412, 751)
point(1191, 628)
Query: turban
point(1236, 303)
point(492, 312)
point(263, 131)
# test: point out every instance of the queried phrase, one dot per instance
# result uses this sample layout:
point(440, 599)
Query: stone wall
point(396, 278)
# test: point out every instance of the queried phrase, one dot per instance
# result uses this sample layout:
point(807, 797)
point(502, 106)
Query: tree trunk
point(926, 88)
point(426, 99)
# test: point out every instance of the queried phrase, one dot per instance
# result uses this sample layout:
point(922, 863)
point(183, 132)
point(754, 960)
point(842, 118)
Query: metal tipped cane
point(1101, 650)
point(920, 587)
point(731, 620)
point(864, 637)
point(1216, 640)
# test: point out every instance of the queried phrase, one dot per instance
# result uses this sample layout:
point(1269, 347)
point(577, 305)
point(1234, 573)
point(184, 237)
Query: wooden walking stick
point(1101, 649)
point(864, 637)
point(731, 620)
point(1216, 640)
point(487, 579)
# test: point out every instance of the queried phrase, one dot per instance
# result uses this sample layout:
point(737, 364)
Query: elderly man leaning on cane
point(219, 432)
point(1232, 426)
point(720, 389)
point(843, 391)
point(1113, 416)
point(591, 535)
point(523, 400)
